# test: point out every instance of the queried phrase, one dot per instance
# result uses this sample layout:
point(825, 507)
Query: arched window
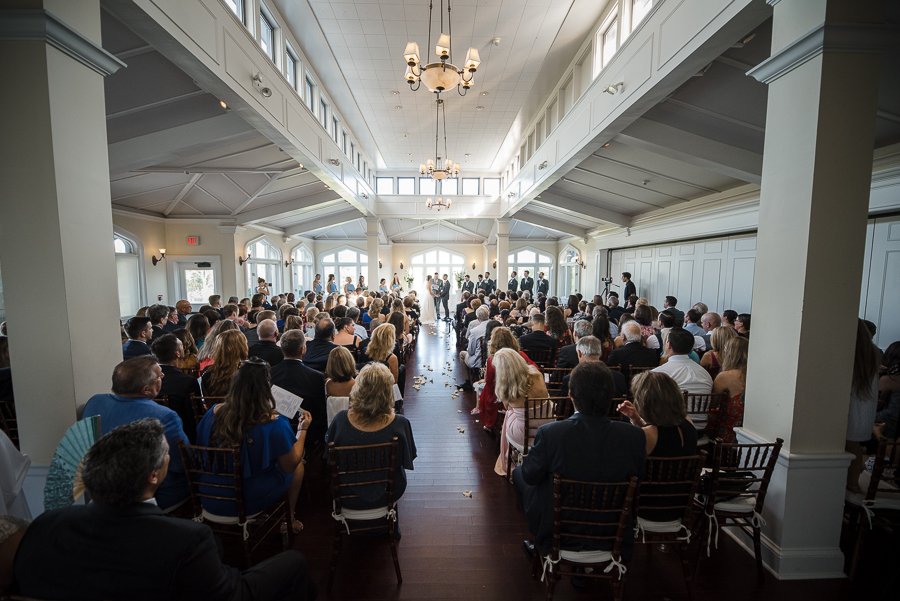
point(128, 271)
point(343, 263)
point(264, 262)
point(435, 260)
point(302, 269)
point(569, 272)
point(533, 261)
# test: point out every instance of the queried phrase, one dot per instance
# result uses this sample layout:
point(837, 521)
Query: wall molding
point(42, 25)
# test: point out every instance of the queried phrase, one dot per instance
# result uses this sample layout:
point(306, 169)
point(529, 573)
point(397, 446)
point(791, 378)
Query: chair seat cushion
point(737, 505)
point(585, 556)
point(651, 526)
point(364, 514)
point(225, 519)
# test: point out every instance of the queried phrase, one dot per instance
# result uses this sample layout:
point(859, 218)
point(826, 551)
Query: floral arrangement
point(409, 279)
point(459, 275)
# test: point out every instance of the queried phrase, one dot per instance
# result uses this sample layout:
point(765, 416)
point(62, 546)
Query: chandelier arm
point(419, 85)
point(466, 90)
point(446, 154)
point(463, 76)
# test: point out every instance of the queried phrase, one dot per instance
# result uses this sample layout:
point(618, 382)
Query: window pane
point(492, 186)
point(128, 284)
point(237, 7)
point(323, 114)
point(328, 258)
point(609, 42)
point(457, 259)
point(449, 186)
point(121, 246)
point(406, 185)
point(310, 98)
point(470, 186)
point(639, 10)
point(266, 36)
point(545, 259)
point(526, 256)
point(363, 258)
point(418, 260)
point(427, 186)
point(431, 257)
point(347, 256)
point(384, 185)
point(200, 284)
point(511, 259)
point(290, 68)
point(443, 257)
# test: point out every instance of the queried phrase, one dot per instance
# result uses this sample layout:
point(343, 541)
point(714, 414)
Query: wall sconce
point(258, 82)
point(473, 265)
point(579, 262)
point(379, 264)
point(614, 88)
point(334, 162)
point(364, 195)
point(511, 194)
point(543, 165)
point(288, 263)
point(242, 260)
point(495, 263)
point(162, 255)
point(401, 264)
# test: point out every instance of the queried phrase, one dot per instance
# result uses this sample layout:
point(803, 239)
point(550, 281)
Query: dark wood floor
point(454, 547)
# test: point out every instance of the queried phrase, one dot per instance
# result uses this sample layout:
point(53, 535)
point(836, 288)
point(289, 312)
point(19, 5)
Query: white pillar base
point(803, 512)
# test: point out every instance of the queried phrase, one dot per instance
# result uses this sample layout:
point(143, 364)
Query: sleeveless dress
point(668, 444)
point(723, 420)
point(332, 287)
point(715, 368)
point(317, 287)
point(334, 404)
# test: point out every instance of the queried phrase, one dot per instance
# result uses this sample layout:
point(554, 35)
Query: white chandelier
point(440, 76)
point(438, 204)
point(436, 169)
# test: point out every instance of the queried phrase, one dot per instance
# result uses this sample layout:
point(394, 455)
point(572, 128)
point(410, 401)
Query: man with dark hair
point(297, 378)
point(543, 286)
point(681, 368)
point(178, 385)
point(692, 322)
point(527, 284)
point(669, 304)
point(139, 331)
point(121, 537)
point(172, 322)
point(460, 307)
point(728, 317)
point(589, 348)
point(513, 284)
point(231, 312)
point(616, 450)
point(267, 349)
point(633, 353)
point(468, 285)
point(233, 300)
point(318, 349)
point(537, 339)
point(631, 304)
point(489, 284)
point(135, 383)
point(479, 286)
point(630, 288)
point(354, 313)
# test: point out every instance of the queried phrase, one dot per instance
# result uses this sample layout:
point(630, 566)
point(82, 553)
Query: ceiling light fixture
point(395, 92)
point(222, 102)
point(484, 93)
point(433, 168)
point(479, 108)
point(614, 88)
point(444, 75)
point(438, 204)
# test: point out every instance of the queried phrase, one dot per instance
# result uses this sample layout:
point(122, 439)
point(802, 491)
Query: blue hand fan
point(64, 483)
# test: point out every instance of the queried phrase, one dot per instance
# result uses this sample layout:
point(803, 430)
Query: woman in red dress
point(487, 401)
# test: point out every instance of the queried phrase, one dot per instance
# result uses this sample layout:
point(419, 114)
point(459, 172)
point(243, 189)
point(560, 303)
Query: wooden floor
point(454, 547)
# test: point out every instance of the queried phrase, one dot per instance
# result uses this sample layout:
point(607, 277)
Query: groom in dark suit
point(445, 299)
point(587, 446)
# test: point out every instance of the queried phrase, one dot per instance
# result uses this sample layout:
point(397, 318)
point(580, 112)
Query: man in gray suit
point(445, 299)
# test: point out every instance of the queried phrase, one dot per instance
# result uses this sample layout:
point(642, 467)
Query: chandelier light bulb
point(472, 60)
point(443, 47)
point(428, 203)
point(412, 54)
point(410, 76)
point(448, 203)
point(422, 169)
point(430, 163)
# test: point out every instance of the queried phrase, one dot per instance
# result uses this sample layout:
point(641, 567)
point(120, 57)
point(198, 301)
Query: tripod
point(605, 293)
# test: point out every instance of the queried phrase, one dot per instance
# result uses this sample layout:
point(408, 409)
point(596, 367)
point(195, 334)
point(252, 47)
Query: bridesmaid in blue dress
point(349, 287)
point(395, 283)
point(332, 285)
point(317, 285)
point(382, 286)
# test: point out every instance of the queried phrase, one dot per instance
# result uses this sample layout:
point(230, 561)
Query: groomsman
point(543, 285)
point(491, 284)
point(527, 284)
point(481, 283)
point(468, 285)
point(513, 283)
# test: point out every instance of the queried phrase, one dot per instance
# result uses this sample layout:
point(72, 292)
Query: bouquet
point(409, 279)
point(459, 275)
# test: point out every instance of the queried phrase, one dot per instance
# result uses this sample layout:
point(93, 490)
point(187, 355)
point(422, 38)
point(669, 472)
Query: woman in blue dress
point(395, 283)
point(317, 285)
point(349, 287)
point(271, 452)
point(382, 286)
point(332, 285)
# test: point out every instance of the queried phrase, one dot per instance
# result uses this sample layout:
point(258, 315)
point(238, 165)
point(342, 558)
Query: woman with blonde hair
point(206, 356)
point(712, 359)
point(370, 419)
point(381, 350)
point(189, 361)
point(231, 349)
point(516, 380)
point(732, 380)
point(340, 377)
point(488, 403)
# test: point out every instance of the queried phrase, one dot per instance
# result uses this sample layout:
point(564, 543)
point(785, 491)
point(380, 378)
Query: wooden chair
point(743, 509)
point(163, 400)
point(537, 413)
point(542, 358)
point(553, 378)
point(699, 407)
point(879, 505)
point(634, 370)
point(202, 404)
point(192, 371)
point(357, 466)
point(670, 484)
point(589, 511)
point(477, 373)
point(8, 421)
point(251, 530)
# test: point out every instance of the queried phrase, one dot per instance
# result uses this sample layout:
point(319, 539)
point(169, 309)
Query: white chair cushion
point(586, 556)
point(225, 519)
point(364, 514)
point(651, 526)
point(738, 505)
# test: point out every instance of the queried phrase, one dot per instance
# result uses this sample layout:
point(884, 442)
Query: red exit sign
point(193, 240)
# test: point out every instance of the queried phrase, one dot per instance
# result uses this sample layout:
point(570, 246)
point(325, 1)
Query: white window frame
point(393, 187)
point(297, 265)
point(309, 92)
point(499, 185)
point(266, 15)
point(462, 188)
point(406, 178)
point(335, 127)
point(278, 263)
point(138, 248)
point(177, 287)
point(359, 266)
point(600, 58)
point(291, 65)
point(323, 112)
point(241, 11)
point(419, 286)
point(562, 268)
point(519, 268)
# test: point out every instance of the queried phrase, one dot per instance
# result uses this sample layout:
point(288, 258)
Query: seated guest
point(863, 403)
point(616, 450)
point(371, 420)
point(475, 329)
point(139, 331)
point(634, 353)
point(472, 355)
point(271, 453)
point(644, 317)
point(709, 322)
point(537, 339)
point(231, 349)
point(231, 312)
point(198, 326)
point(659, 410)
point(267, 349)
point(159, 316)
point(340, 377)
point(396, 320)
point(669, 304)
point(345, 335)
point(470, 313)
point(307, 383)
point(176, 384)
point(135, 383)
point(712, 359)
point(189, 348)
point(120, 534)
point(206, 356)
point(742, 325)
point(600, 330)
point(728, 317)
point(590, 349)
point(692, 319)
point(318, 348)
point(353, 313)
point(732, 380)
point(688, 375)
point(516, 380)
point(251, 332)
point(184, 310)
point(557, 327)
point(568, 357)
point(488, 404)
point(381, 350)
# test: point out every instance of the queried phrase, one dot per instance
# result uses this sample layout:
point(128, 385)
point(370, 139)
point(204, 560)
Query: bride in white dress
point(426, 305)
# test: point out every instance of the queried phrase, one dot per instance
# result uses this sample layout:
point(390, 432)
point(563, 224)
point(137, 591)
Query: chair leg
point(688, 571)
point(335, 551)
point(395, 558)
point(618, 588)
point(861, 525)
point(700, 528)
point(552, 577)
point(509, 463)
point(757, 550)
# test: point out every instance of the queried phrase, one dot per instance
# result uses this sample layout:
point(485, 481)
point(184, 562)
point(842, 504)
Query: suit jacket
point(583, 447)
point(633, 354)
point(618, 379)
point(171, 327)
point(513, 285)
point(252, 336)
point(157, 332)
point(679, 315)
point(537, 341)
point(268, 351)
point(567, 357)
point(96, 552)
point(616, 312)
point(135, 348)
point(527, 285)
point(179, 386)
point(482, 285)
point(316, 356)
point(468, 286)
point(445, 289)
point(297, 378)
point(459, 311)
point(182, 320)
point(543, 286)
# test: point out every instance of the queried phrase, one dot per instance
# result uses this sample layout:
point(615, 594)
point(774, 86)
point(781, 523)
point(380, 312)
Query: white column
point(56, 228)
point(823, 84)
point(502, 277)
point(372, 250)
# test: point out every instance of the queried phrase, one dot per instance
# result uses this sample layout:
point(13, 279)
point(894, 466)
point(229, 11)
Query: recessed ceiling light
point(326, 185)
point(605, 145)
point(484, 93)
point(479, 108)
point(300, 165)
point(395, 92)
point(224, 106)
point(468, 155)
point(399, 107)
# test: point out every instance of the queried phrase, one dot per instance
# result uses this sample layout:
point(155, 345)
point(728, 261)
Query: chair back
point(163, 400)
point(202, 404)
point(729, 458)
point(634, 370)
point(8, 421)
point(670, 484)
point(483, 345)
point(540, 411)
point(214, 462)
point(191, 371)
point(699, 406)
point(542, 358)
point(590, 511)
point(885, 469)
point(362, 466)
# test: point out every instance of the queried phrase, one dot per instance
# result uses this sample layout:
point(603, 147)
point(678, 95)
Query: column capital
point(42, 25)
point(372, 234)
point(845, 38)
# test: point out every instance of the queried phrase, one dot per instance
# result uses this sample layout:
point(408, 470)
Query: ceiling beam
point(492, 236)
point(458, 228)
point(577, 207)
point(422, 226)
point(692, 149)
point(551, 224)
point(382, 235)
point(153, 105)
point(261, 190)
point(276, 210)
point(187, 188)
point(714, 114)
point(323, 222)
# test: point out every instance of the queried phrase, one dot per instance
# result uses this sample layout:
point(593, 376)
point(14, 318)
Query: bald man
point(709, 322)
point(184, 310)
point(266, 349)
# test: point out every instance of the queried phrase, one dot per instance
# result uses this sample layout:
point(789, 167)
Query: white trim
point(175, 286)
point(311, 263)
point(138, 245)
point(279, 263)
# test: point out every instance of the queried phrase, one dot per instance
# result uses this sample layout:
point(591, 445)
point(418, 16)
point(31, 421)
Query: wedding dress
point(426, 304)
